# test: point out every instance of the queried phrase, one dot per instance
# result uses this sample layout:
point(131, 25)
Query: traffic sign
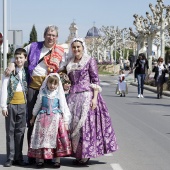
point(1, 38)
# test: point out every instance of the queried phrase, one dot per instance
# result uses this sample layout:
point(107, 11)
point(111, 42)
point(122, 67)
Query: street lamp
point(4, 34)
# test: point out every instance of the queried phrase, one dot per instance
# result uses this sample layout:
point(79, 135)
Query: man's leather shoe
point(31, 161)
point(20, 163)
point(8, 163)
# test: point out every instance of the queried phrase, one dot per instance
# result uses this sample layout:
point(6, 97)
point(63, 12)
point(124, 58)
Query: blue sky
point(23, 14)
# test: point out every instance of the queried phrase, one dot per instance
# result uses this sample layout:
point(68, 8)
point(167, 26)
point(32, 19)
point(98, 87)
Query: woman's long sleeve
point(94, 77)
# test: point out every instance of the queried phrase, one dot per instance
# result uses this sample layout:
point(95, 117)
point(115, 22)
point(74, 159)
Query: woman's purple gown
point(92, 133)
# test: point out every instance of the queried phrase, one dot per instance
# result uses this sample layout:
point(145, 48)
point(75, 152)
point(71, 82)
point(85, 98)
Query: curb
point(151, 88)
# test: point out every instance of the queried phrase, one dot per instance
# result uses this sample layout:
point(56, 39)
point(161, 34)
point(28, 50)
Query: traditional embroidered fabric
point(92, 134)
point(63, 146)
point(53, 59)
point(13, 82)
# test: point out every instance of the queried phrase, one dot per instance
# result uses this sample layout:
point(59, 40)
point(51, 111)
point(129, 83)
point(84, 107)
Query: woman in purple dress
point(92, 133)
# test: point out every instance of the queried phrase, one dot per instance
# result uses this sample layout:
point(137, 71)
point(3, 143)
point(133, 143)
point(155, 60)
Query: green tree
point(33, 35)
point(25, 44)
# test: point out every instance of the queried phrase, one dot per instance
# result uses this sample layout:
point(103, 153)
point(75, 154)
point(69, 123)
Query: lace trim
point(43, 137)
point(96, 87)
point(72, 66)
point(85, 110)
point(49, 94)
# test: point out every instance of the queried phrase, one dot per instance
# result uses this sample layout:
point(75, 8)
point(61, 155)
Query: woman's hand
point(93, 103)
point(9, 69)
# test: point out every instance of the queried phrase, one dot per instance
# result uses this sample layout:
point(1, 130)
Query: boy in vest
point(13, 104)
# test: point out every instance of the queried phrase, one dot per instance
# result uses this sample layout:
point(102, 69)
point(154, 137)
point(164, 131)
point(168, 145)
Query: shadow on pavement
point(68, 162)
point(156, 104)
point(2, 159)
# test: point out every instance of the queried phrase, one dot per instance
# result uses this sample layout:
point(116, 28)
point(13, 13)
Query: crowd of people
point(141, 71)
point(58, 98)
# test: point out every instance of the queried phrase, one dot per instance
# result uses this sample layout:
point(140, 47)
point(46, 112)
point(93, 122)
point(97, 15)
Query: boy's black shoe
point(8, 163)
point(20, 163)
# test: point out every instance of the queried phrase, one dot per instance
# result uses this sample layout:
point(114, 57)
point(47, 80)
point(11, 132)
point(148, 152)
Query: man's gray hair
point(51, 27)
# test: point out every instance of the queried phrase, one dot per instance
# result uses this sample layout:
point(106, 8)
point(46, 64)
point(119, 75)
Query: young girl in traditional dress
point(51, 116)
point(122, 85)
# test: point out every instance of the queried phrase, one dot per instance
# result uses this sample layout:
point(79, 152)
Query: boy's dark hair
point(20, 51)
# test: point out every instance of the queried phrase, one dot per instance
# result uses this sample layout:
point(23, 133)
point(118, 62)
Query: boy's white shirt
point(4, 92)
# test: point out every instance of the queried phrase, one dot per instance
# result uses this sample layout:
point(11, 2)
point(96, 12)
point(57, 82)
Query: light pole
point(10, 14)
point(4, 34)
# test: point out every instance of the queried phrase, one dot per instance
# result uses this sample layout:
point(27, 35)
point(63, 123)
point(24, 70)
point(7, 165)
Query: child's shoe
point(56, 165)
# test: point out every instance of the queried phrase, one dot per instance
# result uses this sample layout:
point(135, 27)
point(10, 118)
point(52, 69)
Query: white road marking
point(104, 84)
point(108, 154)
point(116, 167)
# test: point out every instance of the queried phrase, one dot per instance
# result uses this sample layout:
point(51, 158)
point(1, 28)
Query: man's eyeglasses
point(51, 35)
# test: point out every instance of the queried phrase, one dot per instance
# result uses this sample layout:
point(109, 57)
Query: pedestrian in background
point(141, 67)
point(122, 88)
point(13, 104)
point(160, 72)
point(131, 61)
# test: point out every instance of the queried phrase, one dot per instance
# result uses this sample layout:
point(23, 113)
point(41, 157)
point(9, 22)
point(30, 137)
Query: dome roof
point(93, 32)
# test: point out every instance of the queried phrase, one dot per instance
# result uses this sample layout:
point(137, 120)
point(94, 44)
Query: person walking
point(50, 138)
point(13, 104)
point(141, 67)
point(91, 129)
point(160, 72)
